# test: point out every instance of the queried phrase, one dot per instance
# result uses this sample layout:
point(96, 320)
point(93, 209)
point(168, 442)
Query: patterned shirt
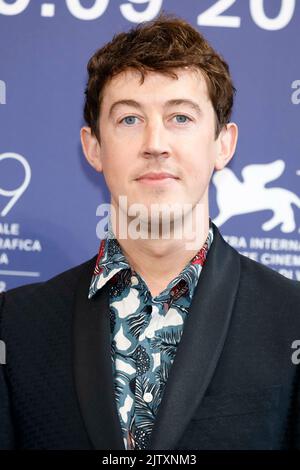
point(145, 333)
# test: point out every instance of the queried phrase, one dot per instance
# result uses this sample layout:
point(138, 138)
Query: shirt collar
point(111, 260)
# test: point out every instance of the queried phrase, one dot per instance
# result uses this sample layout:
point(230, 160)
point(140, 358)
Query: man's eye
point(182, 118)
point(129, 120)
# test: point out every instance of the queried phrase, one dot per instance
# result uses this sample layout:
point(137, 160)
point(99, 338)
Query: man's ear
point(227, 141)
point(91, 148)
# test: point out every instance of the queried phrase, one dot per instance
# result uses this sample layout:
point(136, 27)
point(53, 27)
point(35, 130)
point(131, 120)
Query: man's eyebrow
point(133, 103)
point(173, 102)
point(186, 101)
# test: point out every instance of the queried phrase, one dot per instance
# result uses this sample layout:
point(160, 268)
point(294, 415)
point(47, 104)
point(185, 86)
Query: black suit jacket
point(232, 385)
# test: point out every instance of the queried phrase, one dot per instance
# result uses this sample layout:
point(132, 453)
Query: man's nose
point(155, 140)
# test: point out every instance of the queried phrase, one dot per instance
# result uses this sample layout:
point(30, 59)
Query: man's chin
point(146, 209)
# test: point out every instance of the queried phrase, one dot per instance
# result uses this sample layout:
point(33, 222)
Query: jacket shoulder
point(257, 278)
point(262, 280)
point(255, 268)
point(59, 288)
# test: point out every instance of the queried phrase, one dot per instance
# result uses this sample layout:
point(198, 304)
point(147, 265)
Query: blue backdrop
point(49, 194)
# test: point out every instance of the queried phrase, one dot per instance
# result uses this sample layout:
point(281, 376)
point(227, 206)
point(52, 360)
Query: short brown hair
point(161, 45)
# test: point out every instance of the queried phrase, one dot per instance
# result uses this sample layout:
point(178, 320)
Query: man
point(174, 342)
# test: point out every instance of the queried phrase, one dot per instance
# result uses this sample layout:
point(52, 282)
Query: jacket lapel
point(93, 365)
point(196, 358)
point(201, 344)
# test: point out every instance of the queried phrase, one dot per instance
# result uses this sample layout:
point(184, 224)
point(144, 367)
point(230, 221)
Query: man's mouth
point(156, 177)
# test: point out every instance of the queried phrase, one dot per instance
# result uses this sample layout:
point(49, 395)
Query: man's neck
point(159, 261)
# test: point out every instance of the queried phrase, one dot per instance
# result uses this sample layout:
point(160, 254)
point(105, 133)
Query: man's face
point(165, 126)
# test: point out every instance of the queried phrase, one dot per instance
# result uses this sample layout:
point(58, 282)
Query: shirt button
point(148, 397)
point(150, 334)
point(134, 280)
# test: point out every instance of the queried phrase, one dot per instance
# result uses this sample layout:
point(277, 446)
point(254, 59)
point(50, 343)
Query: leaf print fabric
point(145, 333)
